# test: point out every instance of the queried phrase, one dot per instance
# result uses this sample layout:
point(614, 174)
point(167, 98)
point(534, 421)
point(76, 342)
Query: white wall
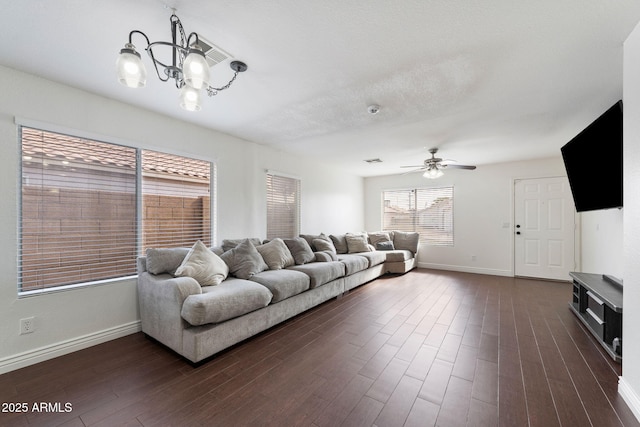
point(602, 245)
point(67, 321)
point(483, 213)
point(629, 385)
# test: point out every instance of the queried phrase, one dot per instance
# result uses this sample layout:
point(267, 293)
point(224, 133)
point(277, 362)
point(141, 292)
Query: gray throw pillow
point(406, 241)
point(276, 254)
point(357, 243)
point(244, 260)
point(385, 246)
point(228, 244)
point(311, 237)
point(379, 236)
point(340, 243)
point(165, 260)
point(203, 265)
point(300, 249)
point(324, 245)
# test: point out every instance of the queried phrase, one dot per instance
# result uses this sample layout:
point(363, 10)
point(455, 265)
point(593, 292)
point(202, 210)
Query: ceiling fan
point(434, 166)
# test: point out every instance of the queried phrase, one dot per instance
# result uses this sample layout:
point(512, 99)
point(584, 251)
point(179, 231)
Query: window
point(283, 206)
point(175, 201)
point(429, 211)
point(80, 210)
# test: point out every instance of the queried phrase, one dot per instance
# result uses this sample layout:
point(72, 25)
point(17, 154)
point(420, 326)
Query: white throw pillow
point(203, 265)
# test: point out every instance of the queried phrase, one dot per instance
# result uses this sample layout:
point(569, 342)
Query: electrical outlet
point(27, 325)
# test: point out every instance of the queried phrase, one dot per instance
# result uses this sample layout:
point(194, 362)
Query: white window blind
point(80, 208)
point(175, 200)
point(283, 206)
point(428, 211)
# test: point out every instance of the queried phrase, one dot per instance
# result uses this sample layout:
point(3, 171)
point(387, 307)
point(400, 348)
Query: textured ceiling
point(485, 82)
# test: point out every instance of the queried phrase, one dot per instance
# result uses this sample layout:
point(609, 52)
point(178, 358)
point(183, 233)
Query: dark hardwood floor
point(425, 348)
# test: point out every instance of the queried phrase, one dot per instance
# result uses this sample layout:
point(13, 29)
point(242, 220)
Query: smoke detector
point(373, 109)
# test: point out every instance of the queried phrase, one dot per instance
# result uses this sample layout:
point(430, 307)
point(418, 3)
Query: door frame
point(577, 235)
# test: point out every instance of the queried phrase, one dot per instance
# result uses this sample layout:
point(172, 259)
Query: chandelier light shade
point(433, 172)
point(131, 71)
point(190, 98)
point(188, 68)
point(196, 69)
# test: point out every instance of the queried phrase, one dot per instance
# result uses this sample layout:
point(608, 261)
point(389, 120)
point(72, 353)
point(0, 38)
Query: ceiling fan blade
point(455, 166)
point(415, 166)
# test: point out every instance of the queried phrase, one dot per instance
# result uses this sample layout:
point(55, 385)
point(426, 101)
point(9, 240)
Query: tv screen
point(593, 160)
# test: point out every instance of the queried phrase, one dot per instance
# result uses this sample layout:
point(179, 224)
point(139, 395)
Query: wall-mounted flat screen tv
point(593, 160)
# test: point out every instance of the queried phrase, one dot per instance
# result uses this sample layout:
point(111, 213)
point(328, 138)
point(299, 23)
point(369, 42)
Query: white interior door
point(544, 228)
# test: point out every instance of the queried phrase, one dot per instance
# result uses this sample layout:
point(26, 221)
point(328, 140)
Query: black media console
point(597, 301)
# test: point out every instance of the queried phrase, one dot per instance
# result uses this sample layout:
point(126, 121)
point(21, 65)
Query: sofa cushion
point(324, 256)
point(340, 243)
point(406, 241)
point(231, 298)
point(165, 260)
point(374, 257)
point(203, 265)
point(300, 250)
point(228, 244)
point(399, 255)
point(357, 242)
point(276, 254)
point(353, 263)
point(321, 273)
point(244, 260)
point(282, 283)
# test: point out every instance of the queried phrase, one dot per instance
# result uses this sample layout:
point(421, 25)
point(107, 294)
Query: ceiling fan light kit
point(188, 68)
point(433, 167)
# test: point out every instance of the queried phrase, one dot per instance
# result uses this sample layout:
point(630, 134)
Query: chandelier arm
point(150, 52)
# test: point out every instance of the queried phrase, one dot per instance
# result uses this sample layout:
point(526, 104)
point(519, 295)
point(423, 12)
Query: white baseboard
point(41, 354)
point(630, 397)
point(466, 269)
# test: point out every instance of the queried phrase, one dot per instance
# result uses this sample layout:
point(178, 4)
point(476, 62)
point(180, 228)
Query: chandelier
point(188, 68)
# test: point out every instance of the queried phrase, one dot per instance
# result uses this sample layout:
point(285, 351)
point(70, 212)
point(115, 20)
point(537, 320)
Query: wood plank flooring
point(422, 349)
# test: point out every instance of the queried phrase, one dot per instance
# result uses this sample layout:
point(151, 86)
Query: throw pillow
point(311, 237)
point(357, 243)
point(244, 260)
point(203, 265)
point(379, 236)
point(385, 246)
point(228, 244)
point(407, 241)
point(165, 260)
point(324, 245)
point(276, 254)
point(300, 249)
point(340, 243)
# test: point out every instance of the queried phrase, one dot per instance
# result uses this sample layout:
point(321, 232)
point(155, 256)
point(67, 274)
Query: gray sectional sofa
point(199, 301)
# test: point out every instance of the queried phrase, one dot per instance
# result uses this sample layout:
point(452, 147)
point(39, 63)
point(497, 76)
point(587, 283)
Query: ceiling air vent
point(212, 53)
point(373, 161)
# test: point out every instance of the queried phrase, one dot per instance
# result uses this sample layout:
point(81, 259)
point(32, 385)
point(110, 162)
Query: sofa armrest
point(160, 298)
